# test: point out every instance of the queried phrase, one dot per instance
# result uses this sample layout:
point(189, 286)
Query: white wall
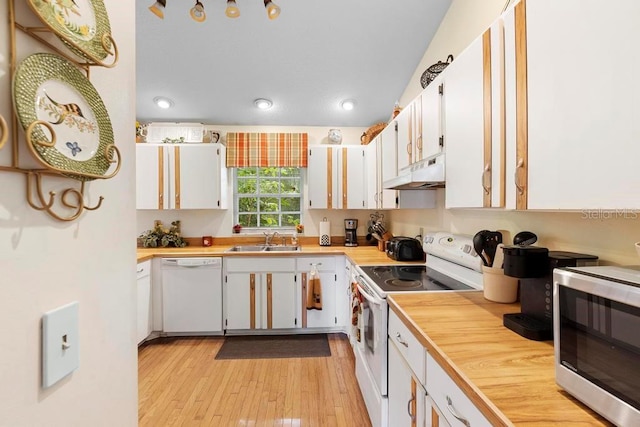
point(45, 263)
point(608, 235)
point(219, 223)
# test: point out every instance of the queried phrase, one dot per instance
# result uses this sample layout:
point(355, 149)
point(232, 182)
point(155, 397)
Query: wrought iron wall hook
point(72, 199)
point(48, 206)
point(43, 206)
point(80, 199)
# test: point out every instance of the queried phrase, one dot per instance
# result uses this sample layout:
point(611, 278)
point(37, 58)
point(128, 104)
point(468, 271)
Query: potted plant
point(163, 236)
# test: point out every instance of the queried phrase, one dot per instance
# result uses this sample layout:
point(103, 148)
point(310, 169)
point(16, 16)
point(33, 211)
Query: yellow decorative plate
point(80, 24)
point(49, 89)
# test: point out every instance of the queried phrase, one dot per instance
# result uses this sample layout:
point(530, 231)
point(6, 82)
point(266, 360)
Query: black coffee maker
point(534, 266)
point(350, 237)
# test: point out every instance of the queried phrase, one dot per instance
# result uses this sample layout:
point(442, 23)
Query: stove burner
point(404, 283)
point(381, 269)
point(412, 270)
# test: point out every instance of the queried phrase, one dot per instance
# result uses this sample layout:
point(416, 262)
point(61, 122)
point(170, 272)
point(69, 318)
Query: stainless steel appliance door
point(375, 350)
point(597, 347)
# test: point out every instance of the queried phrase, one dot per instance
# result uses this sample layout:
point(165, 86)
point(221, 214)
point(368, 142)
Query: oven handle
point(368, 297)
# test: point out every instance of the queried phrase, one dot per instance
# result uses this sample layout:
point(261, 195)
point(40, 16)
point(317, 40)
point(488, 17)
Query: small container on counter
point(497, 287)
point(207, 241)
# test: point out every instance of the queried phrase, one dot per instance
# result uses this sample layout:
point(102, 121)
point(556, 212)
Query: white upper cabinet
point(572, 91)
point(406, 135)
point(388, 165)
point(373, 174)
point(464, 101)
point(474, 119)
point(181, 176)
point(531, 122)
point(336, 177)
point(322, 178)
point(380, 155)
point(151, 181)
point(432, 130)
point(353, 177)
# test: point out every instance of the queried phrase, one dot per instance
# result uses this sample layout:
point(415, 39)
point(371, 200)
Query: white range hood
point(426, 174)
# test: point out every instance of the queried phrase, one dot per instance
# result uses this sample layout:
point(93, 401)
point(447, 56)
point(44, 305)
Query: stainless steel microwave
point(597, 339)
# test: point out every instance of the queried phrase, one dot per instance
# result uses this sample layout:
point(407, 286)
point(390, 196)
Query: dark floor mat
point(274, 346)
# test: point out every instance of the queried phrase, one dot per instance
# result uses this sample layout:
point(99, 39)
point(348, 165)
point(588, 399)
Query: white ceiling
point(316, 54)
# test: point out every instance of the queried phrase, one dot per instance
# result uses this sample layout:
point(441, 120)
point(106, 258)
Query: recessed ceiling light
point(263, 103)
point(348, 104)
point(163, 102)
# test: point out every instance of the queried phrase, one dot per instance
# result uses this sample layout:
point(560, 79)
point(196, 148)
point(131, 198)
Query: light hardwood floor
point(181, 384)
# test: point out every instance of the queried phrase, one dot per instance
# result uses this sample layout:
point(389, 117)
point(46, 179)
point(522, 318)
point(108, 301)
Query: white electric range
point(451, 265)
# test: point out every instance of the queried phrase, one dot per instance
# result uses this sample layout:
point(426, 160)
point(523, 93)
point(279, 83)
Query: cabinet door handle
point(413, 416)
point(140, 271)
point(519, 167)
point(486, 179)
point(455, 414)
point(400, 340)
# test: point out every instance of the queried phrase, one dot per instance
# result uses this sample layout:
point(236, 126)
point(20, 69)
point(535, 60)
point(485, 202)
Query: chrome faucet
point(268, 237)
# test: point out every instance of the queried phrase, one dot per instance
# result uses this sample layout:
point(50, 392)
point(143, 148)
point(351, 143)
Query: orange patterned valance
point(267, 150)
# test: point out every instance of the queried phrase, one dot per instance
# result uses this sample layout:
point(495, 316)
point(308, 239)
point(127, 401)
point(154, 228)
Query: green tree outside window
point(268, 197)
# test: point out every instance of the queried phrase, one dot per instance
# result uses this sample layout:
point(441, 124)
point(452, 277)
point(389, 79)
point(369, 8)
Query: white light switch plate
point(60, 346)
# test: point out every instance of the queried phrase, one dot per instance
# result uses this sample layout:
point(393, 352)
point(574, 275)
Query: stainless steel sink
point(263, 248)
point(246, 248)
point(284, 248)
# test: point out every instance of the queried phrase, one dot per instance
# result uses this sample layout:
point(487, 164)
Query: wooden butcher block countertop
point(360, 255)
point(509, 378)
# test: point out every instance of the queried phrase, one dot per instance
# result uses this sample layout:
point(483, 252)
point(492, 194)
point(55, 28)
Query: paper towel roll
point(325, 233)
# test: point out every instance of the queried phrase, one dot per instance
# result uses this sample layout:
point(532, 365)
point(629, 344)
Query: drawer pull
point(453, 412)
point(519, 167)
point(413, 416)
point(141, 270)
point(400, 340)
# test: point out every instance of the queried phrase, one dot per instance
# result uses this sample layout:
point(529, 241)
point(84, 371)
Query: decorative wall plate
point(48, 88)
point(80, 24)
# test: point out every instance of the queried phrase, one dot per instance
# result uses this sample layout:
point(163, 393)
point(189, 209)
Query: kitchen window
point(268, 197)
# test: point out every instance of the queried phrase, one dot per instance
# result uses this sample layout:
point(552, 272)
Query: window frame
point(279, 197)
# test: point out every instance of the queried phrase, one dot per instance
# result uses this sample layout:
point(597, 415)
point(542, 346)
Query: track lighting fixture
point(232, 10)
point(273, 10)
point(158, 8)
point(197, 12)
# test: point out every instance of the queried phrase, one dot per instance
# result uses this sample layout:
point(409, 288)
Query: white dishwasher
point(192, 296)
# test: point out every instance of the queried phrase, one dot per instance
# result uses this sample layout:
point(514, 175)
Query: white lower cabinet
point(406, 393)
point(453, 404)
point(433, 416)
point(406, 376)
point(421, 393)
point(261, 293)
point(143, 284)
point(334, 298)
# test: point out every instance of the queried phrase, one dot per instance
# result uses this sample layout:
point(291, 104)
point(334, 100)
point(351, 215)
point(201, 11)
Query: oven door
point(374, 348)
